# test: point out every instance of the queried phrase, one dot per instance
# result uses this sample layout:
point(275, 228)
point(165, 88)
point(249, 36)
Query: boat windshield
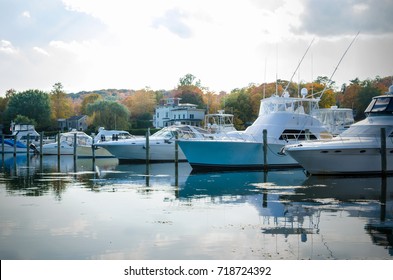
point(367, 131)
point(181, 132)
point(380, 105)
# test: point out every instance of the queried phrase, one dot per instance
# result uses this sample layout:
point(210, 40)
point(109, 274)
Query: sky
point(226, 44)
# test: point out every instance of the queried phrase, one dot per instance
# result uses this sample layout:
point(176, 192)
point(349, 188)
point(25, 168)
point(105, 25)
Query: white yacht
point(337, 120)
point(161, 144)
point(358, 149)
point(286, 120)
point(84, 148)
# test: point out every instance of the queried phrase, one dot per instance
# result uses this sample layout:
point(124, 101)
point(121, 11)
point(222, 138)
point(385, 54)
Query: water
point(61, 210)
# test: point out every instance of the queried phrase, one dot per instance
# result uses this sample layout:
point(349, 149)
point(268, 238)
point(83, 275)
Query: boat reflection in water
point(135, 211)
point(332, 214)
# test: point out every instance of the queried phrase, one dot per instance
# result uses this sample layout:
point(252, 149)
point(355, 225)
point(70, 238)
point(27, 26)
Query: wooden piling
point(58, 145)
point(383, 151)
point(74, 146)
point(41, 143)
point(14, 146)
point(265, 164)
point(2, 146)
point(28, 147)
point(176, 160)
point(93, 153)
point(147, 145)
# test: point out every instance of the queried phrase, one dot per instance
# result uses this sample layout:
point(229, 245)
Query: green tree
point(20, 119)
point(189, 80)
point(366, 93)
point(109, 114)
point(61, 105)
point(89, 99)
point(34, 104)
point(238, 102)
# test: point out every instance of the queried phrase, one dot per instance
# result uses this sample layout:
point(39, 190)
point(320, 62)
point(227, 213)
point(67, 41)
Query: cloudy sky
point(227, 44)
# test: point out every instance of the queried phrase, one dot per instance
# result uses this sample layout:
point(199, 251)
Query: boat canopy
point(276, 104)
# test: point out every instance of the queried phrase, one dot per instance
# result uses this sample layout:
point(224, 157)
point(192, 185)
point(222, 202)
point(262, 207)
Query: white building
point(171, 111)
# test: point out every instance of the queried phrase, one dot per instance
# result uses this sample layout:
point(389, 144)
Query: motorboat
point(9, 146)
point(26, 134)
point(358, 150)
point(285, 119)
point(105, 135)
point(84, 146)
point(161, 144)
point(337, 120)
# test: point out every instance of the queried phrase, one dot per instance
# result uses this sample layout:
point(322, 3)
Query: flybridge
point(381, 105)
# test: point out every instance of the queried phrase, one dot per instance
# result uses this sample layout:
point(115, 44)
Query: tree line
point(134, 109)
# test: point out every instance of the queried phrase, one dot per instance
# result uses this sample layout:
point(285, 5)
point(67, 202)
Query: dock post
point(74, 146)
point(265, 149)
point(2, 146)
point(58, 150)
point(28, 148)
point(14, 146)
point(383, 151)
point(93, 153)
point(147, 146)
point(176, 160)
point(41, 143)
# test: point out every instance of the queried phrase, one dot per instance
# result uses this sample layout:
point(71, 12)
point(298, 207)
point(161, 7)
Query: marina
point(65, 208)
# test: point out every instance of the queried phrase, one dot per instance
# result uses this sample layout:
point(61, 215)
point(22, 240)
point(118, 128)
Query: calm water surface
point(61, 210)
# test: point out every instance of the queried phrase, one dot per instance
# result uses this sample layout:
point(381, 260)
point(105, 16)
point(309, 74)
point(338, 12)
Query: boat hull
point(81, 151)
point(223, 155)
point(342, 161)
point(134, 151)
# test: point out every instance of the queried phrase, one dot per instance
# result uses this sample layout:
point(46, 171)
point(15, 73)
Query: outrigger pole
point(300, 62)
point(330, 79)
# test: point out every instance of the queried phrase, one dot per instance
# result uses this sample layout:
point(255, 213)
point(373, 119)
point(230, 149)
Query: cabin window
point(295, 134)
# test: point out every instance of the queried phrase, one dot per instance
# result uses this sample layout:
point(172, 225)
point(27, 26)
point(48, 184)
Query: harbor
point(77, 209)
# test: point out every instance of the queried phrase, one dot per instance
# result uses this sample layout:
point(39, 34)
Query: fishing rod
point(330, 79)
point(300, 62)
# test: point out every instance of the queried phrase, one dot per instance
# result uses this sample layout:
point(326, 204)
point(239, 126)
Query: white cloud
point(41, 51)
point(26, 14)
point(7, 47)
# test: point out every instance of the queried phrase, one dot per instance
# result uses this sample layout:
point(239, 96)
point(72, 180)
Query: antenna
point(330, 79)
point(300, 62)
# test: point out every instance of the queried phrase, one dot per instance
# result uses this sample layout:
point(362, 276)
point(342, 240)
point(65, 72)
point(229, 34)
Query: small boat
point(84, 147)
point(9, 146)
point(24, 133)
point(358, 149)
point(286, 120)
point(161, 144)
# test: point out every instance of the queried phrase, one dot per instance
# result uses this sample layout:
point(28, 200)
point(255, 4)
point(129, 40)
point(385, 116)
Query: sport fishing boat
point(358, 150)
point(286, 120)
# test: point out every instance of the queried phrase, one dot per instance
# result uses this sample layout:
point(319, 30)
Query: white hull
point(348, 161)
point(81, 151)
point(160, 151)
